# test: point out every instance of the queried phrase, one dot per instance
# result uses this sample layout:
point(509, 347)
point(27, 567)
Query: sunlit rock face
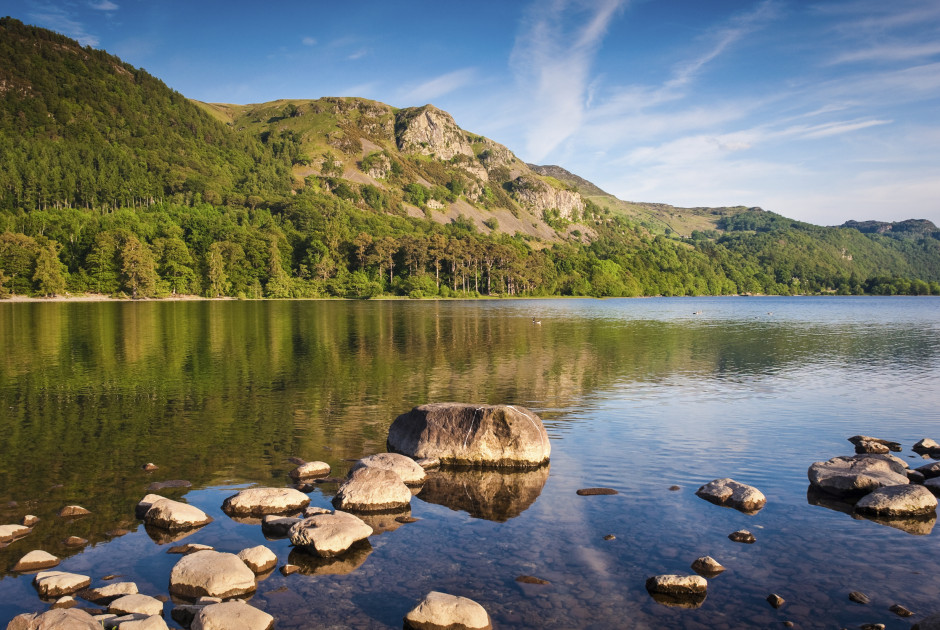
point(494, 495)
point(857, 475)
point(471, 435)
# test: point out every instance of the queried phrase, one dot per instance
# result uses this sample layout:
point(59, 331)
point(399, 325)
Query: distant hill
point(111, 182)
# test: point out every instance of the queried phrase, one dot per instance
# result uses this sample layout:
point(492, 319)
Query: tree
point(50, 272)
point(138, 268)
point(175, 264)
point(279, 284)
point(17, 260)
point(218, 280)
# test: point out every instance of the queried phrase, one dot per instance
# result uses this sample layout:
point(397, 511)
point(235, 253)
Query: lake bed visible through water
point(637, 395)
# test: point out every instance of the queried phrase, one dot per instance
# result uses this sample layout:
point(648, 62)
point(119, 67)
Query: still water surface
point(638, 395)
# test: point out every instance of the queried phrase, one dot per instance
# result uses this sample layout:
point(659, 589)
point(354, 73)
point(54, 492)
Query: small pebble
point(287, 569)
point(789, 624)
point(674, 488)
point(610, 537)
point(406, 519)
point(859, 598)
point(75, 541)
point(531, 579)
point(742, 536)
point(873, 626)
point(775, 600)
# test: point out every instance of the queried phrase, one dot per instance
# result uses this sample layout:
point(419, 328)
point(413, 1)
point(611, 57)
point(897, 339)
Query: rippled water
point(637, 395)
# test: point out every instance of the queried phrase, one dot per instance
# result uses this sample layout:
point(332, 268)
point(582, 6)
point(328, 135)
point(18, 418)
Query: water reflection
point(915, 525)
point(494, 495)
point(343, 564)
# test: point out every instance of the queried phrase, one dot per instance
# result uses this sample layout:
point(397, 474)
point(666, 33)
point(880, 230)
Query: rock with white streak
point(328, 535)
point(51, 584)
point(730, 493)
point(441, 610)
point(231, 615)
point(211, 573)
point(910, 500)
point(372, 490)
point(475, 435)
point(262, 501)
point(406, 468)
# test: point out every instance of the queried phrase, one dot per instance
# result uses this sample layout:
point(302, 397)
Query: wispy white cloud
point(890, 52)
point(839, 127)
point(57, 19)
point(104, 5)
point(308, 41)
point(552, 60)
point(358, 54)
point(437, 87)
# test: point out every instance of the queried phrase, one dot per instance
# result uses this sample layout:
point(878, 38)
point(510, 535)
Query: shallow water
point(637, 395)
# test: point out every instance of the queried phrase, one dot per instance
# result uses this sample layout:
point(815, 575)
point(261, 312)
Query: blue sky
point(820, 111)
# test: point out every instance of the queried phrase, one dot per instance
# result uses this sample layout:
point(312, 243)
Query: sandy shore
point(100, 297)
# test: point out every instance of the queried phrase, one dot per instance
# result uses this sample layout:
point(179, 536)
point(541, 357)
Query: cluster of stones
point(881, 485)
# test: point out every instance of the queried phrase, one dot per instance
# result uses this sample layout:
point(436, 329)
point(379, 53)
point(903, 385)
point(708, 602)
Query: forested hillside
point(113, 183)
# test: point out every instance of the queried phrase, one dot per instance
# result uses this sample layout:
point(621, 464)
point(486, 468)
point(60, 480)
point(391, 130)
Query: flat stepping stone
point(677, 584)
point(107, 594)
point(211, 573)
point(406, 468)
point(51, 584)
point(328, 535)
point(72, 511)
point(309, 470)
point(229, 615)
point(36, 560)
point(12, 532)
point(730, 493)
point(372, 490)
point(441, 610)
point(174, 516)
point(262, 501)
point(590, 492)
point(910, 500)
point(476, 435)
point(259, 559)
point(136, 604)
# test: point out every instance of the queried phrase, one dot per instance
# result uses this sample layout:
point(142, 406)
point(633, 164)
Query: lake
point(636, 394)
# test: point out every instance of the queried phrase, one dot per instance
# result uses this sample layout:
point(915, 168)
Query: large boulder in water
point(405, 467)
point(72, 618)
point(213, 574)
point(856, 475)
point(372, 490)
point(474, 435)
point(441, 610)
point(233, 614)
point(328, 535)
point(262, 501)
point(910, 500)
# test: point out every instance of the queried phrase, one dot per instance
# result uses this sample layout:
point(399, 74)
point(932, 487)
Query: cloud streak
point(439, 86)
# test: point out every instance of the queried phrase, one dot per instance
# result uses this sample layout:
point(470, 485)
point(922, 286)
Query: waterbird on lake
point(538, 322)
point(697, 313)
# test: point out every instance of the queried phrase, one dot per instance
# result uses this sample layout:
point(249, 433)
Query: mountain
point(112, 182)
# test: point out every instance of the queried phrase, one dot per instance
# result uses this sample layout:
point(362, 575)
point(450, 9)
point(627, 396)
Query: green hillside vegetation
point(113, 183)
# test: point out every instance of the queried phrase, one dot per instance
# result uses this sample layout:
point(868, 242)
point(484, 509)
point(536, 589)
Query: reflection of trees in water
point(494, 495)
point(220, 392)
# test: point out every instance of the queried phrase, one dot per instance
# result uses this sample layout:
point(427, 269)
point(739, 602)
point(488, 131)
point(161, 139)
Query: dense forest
point(112, 183)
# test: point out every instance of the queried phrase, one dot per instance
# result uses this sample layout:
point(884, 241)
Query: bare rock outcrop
point(428, 130)
point(538, 196)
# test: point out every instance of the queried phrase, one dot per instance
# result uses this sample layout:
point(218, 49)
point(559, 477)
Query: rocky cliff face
point(538, 196)
point(430, 131)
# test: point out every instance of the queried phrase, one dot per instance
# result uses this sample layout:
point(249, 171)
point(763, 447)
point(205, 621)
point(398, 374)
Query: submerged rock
point(328, 535)
point(406, 468)
point(72, 511)
point(231, 615)
point(211, 573)
point(261, 501)
point(910, 500)
point(742, 536)
point(273, 526)
point(730, 493)
point(372, 490)
point(531, 579)
point(170, 483)
point(590, 492)
point(440, 610)
point(901, 611)
point(475, 435)
point(173, 515)
point(859, 597)
point(309, 563)
point(927, 446)
point(491, 494)
point(51, 584)
point(857, 475)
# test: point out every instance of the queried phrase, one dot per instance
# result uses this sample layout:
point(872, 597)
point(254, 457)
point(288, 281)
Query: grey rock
point(144, 504)
point(259, 559)
point(136, 604)
point(9, 533)
point(707, 566)
point(406, 468)
point(262, 501)
point(231, 615)
point(107, 594)
point(51, 584)
point(441, 610)
point(730, 493)
point(35, 560)
point(211, 573)
point(742, 536)
point(677, 584)
point(328, 535)
point(479, 435)
point(929, 471)
point(310, 470)
point(173, 516)
point(372, 490)
point(856, 475)
point(909, 500)
point(55, 619)
point(927, 446)
point(859, 439)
